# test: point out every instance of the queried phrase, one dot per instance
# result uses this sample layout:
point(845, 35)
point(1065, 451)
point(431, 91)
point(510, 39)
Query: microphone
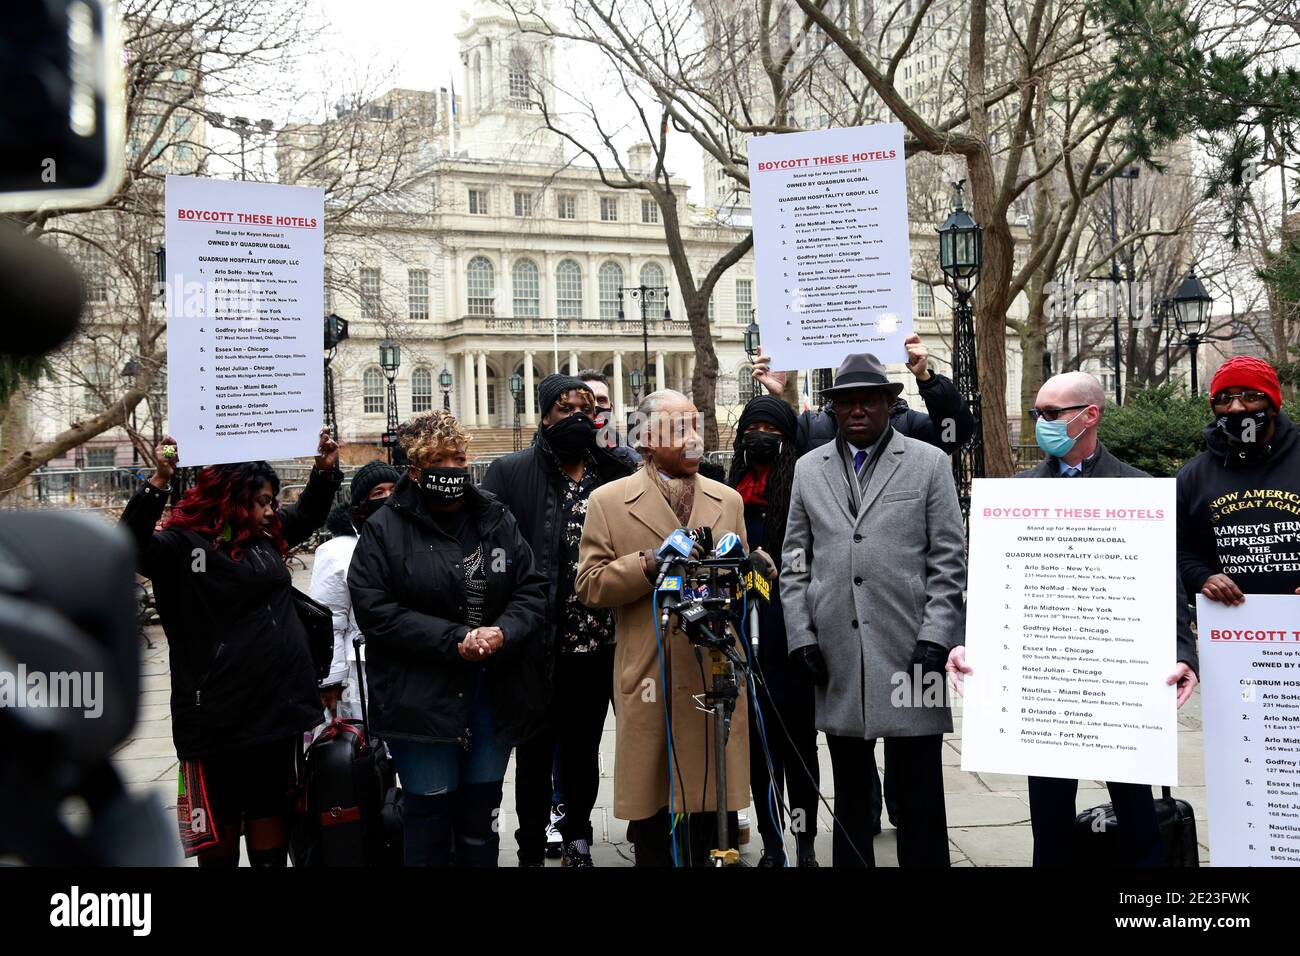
point(729, 546)
point(40, 291)
point(678, 547)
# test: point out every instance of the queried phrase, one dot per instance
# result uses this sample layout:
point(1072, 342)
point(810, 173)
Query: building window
point(610, 281)
point(372, 391)
point(491, 394)
point(369, 293)
point(568, 206)
point(481, 283)
point(744, 301)
point(101, 457)
point(652, 277)
point(417, 281)
point(649, 210)
point(518, 84)
point(568, 290)
point(608, 209)
point(99, 382)
point(924, 299)
point(94, 272)
point(523, 204)
point(478, 202)
point(421, 390)
point(526, 288)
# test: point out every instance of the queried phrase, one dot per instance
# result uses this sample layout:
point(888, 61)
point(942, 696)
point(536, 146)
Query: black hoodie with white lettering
point(1239, 513)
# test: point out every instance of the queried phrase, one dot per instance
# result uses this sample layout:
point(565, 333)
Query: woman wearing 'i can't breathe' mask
point(445, 590)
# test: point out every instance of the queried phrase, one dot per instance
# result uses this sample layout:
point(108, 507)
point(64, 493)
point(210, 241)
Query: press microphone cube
point(678, 543)
point(729, 546)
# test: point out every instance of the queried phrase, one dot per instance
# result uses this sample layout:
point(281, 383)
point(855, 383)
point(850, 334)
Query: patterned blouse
point(582, 629)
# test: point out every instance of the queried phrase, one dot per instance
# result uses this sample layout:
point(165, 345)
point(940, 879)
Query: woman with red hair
point(243, 687)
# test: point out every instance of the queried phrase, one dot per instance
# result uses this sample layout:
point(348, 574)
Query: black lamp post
point(517, 390)
point(646, 294)
point(336, 330)
point(1129, 174)
point(160, 265)
point(390, 359)
point(960, 257)
point(129, 372)
point(752, 349)
point(634, 379)
point(1191, 304)
point(444, 382)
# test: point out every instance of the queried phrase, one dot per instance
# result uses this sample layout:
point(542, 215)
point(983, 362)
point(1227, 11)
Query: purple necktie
point(858, 460)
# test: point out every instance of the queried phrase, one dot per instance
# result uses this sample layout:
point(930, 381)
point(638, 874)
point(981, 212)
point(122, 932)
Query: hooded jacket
point(1239, 513)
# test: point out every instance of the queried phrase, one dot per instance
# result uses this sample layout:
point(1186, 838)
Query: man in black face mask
point(546, 486)
point(1239, 500)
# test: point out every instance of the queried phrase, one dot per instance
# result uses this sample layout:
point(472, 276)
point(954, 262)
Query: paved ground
point(988, 814)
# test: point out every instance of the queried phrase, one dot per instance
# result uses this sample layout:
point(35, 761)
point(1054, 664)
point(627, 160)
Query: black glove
point(811, 660)
point(932, 658)
point(763, 564)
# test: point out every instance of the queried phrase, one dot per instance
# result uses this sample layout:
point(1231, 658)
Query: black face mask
point(760, 447)
point(570, 437)
point(1243, 428)
point(362, 512)
point(444, 485)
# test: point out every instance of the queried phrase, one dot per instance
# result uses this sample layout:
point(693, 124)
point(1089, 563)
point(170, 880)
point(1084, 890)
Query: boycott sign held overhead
point(245, 278)
point(1070, 630)
point(1250, 709)
point(831, 244)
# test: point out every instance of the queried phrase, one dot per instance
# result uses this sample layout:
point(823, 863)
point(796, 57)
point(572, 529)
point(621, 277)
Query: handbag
point(318, 621)
point(1096, 831)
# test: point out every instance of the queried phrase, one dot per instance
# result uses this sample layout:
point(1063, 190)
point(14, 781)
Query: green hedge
point(1160, 428)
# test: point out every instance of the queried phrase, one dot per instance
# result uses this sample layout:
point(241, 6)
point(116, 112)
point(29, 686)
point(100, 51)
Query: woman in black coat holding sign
point(243, 686)
point(762, 470)
point(444, 588)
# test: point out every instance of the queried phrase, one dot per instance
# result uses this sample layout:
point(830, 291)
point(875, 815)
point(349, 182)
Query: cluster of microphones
point(703, 584)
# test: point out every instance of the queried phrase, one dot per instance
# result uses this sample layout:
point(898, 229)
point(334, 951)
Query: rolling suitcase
point(1096, 834)
point(348, 811)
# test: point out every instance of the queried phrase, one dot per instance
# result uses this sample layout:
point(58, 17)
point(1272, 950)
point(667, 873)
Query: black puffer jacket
point(241, 666)
point(942, 402)
point(408, 593)
point(530, 484)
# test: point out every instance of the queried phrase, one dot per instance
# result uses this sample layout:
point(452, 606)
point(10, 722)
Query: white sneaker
point(555, 842)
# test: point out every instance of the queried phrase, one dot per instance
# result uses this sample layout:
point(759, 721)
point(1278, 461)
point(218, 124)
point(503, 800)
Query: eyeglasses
point(1224, 399)
point(1051, 414)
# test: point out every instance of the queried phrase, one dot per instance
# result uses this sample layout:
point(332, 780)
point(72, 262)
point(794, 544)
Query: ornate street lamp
point(390, 360)
point(517, 390)
point(961, 254)
point(634, 379)
point(336, 330)
point(752, 348)
point(645, 294)
point(1191, 305)
point(444, 382)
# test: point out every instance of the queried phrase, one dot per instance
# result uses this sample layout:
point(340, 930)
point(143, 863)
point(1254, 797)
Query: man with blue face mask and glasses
point(1067, 413)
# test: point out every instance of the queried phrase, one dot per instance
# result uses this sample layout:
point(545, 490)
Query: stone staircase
point(494, 442)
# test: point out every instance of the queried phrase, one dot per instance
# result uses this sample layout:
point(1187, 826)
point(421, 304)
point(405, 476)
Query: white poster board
point(245, 312)
point(1070, 622)
point(831, 258)
point(1250, 712)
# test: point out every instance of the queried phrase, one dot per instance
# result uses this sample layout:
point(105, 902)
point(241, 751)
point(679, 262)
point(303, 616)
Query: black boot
point(426, 828)
point(477, 839)
point(806, 849)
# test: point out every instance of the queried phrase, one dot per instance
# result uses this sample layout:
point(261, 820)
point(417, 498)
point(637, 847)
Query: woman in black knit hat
point(783, 777)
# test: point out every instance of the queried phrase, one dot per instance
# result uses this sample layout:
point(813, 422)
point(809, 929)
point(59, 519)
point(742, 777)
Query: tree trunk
point(990, 321)
point(1032, 342)
point(705, 377)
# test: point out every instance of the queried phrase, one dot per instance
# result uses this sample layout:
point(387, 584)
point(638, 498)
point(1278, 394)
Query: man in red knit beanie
point(1239, 500)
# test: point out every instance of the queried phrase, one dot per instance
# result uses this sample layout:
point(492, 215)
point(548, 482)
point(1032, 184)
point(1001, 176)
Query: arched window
point(491, 393)
point(421, 390)
point(568, 290)
point(652, 276)
point(372, 391)
point(610, 280)
point(528, 297)
point(481, 282)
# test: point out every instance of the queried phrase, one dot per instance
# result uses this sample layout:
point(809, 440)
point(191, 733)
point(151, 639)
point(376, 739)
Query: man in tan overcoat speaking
point(627, 521)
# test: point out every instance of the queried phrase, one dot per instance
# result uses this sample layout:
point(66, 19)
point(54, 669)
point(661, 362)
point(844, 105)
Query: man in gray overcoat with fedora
point(873, 569)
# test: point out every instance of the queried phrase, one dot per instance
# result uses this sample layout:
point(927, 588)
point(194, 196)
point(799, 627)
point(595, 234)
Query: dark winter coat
point(942, 402)
point(241, 667)
point(408, 593)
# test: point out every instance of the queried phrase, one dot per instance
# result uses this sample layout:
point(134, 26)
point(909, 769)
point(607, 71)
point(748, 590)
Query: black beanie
point(370, 474)
point(769, 409)
point(552, 387)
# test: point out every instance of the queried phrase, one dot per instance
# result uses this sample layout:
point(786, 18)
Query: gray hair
point(643, 417)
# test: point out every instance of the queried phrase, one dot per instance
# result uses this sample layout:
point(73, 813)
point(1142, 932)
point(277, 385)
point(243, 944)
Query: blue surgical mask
point(1054, 437)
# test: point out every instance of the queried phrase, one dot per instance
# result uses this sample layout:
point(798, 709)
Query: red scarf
point(753, 485)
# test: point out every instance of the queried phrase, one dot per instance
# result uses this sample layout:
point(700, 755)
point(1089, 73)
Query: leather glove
point(811, 660)
point(762, 563)
point(931, 658)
